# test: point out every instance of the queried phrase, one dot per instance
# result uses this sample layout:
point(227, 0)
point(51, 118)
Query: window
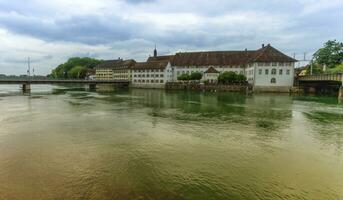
point(273, 80)
point(273, 71)
point(267, 64)
point(260, 64)
point(260, 71)
point(288, 71)
point(178, 73)
point(266, 71)
point(274, 64)
point(161, 81)
point(161, 75)
point(280, 72)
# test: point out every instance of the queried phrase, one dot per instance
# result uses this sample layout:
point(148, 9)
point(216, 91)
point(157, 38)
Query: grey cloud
point(87, 29)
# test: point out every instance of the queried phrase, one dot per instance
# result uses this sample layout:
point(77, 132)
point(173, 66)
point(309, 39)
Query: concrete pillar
point(340, 93)
point(92, 87)
point(312, 90)
point(26, 87)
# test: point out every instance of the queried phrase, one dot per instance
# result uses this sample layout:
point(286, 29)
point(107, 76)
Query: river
point(70, 143)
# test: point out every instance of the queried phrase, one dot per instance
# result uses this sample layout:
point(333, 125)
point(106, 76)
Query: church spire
point(155, 52)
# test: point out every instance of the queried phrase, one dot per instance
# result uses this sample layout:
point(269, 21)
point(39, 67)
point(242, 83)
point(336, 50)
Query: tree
point(196, 76)
point(65, 70)
point(337, 69)
point(78, 72)
point(316, 69)
point(227, 77)
point(184, 77)
point(330, 55)
point(241, 78)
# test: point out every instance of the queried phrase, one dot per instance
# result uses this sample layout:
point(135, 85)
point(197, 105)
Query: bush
point(196, 76)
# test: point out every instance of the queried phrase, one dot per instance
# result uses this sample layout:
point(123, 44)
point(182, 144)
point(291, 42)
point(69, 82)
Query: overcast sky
point(52, 31)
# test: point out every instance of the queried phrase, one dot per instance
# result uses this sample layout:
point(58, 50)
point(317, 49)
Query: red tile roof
point(211, 70)
point(230, 58)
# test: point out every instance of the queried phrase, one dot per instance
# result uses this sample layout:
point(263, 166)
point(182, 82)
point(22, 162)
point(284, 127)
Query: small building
point(269, 70)
point(211, 75)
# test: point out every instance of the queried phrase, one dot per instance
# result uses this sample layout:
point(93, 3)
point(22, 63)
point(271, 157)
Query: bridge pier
point(26, 87)
point(92, 87)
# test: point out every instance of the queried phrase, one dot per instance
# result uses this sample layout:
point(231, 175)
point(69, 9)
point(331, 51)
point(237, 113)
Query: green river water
point(69, 143)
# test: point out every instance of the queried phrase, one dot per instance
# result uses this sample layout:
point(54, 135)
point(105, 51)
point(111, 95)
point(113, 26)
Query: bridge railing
point(322, 77)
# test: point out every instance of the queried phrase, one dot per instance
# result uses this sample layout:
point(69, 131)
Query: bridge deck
point(322, 77)
point(23, 81)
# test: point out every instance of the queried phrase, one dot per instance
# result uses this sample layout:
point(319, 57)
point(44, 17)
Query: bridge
point(26, 83)
point(320, 82)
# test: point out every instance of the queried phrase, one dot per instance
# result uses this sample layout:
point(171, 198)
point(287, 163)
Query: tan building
point(114, 70)
point(122, 70)
point(104, 71)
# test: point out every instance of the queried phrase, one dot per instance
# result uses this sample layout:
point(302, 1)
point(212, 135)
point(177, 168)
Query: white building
point(152, 74)
point(267, 69)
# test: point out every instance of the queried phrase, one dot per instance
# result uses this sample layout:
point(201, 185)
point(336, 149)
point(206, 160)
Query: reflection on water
point(71, 143)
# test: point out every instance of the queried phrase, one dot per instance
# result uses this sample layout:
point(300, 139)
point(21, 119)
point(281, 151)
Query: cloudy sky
point(52, 31)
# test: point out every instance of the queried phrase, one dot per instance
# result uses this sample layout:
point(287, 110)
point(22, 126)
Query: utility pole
point(29, 68)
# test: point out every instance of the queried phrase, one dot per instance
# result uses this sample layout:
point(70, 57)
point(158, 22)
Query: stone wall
point(208, 87)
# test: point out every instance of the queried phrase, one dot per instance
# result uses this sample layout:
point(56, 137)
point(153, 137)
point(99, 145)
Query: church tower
point(155, 52)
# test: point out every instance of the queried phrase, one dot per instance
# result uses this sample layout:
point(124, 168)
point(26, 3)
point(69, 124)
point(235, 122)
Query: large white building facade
point(266, 69)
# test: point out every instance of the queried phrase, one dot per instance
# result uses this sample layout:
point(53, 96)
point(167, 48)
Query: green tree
point(196, 76)
point(241, 78)
point(64, 70)
point(184, 77)
point(316, 69)
point(330, 55)
point(227, 77)
point(77, 72)
point(337, 69)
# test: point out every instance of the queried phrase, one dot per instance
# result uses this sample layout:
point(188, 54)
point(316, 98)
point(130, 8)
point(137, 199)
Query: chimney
point(268, 44)
point(262, 45)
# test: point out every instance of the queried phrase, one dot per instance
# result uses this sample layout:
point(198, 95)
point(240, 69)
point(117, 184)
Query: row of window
point(102, 75)
point(120, 76)
point(260, 64)
point(273, 71)
point(149, 75)
point(148, 81)
point(120, 71)
point(148, 70)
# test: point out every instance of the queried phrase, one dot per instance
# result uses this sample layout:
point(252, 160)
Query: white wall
point(178, 70)
point(284, 79)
